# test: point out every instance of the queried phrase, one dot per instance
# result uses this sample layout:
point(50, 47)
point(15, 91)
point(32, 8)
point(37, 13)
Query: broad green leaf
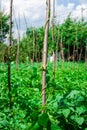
point(66, 112)
point(55, 105)
point(73, 93)
point(80, 120)
point(4, 123)
point(35, 127)
point(81, 109)
point(43, 119)
point(34, 116)
point(77, 119)
point(54, 126)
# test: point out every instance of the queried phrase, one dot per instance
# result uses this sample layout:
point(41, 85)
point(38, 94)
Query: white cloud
point(79, 11)
point(83, 1)
point(34, 11)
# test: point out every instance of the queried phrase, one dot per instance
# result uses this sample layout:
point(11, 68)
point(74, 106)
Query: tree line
point(70, 41)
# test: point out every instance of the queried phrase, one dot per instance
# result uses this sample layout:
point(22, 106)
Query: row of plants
point(66, 107)
point(69, 39)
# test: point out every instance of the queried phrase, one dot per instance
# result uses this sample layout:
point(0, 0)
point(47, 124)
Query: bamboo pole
point(9, 56)
point(28, 38)
point(53, 40)
point(45, 47)
point(18, 45)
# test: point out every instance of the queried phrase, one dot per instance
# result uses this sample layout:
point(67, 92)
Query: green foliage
point(4, 26)
point(72, 34)
point(31, 45)
point(66, 106)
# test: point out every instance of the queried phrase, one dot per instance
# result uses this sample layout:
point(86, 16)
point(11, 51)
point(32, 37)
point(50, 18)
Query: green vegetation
point(66, 107)
point(66, 93)
point(70, 38)
point(4, 26)
point(4, 29)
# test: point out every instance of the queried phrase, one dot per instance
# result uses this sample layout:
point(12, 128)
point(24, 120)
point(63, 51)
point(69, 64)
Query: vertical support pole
point(9, 55)
point(44, 61)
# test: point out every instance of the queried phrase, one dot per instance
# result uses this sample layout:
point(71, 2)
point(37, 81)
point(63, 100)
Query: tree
point(74, 38)
point(4, 26)
point(31, 45)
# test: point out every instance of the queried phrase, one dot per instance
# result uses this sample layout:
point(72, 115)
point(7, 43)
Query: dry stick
point(86, 52)
point(36, 48)
point(33, 44)
point(77, 47)
point(81, 48)
point(2, 44)
point(18, 49)
point(81, 36)
point(2, 32)
point(86, 55)
point(9, 55)
point(25, 21)
point(68, 53)
point(62, 52)
point(73, 56)
point(27, 37)
point(53, 40)
point(45, 47)
point(18, 30)
point(75, 50)
point(57, 44)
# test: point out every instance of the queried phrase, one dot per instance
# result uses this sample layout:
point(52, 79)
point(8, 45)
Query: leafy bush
point(66, 107)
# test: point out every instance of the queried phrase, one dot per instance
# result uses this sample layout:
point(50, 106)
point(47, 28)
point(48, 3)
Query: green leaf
point(73, 93)
point(4, 123)
point(35, 127)
point(54, 126)
point(66, 112)
point(34, 116)
point(81, 109)
point(77, 119)
point(80, 120)
point(43, 119)
point(55, 105)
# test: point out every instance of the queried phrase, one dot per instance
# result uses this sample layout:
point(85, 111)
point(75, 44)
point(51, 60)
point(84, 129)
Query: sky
point(32, 12)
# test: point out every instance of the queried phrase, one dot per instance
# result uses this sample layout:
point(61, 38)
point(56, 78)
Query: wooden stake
point(9, 55)
point(44, 61)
